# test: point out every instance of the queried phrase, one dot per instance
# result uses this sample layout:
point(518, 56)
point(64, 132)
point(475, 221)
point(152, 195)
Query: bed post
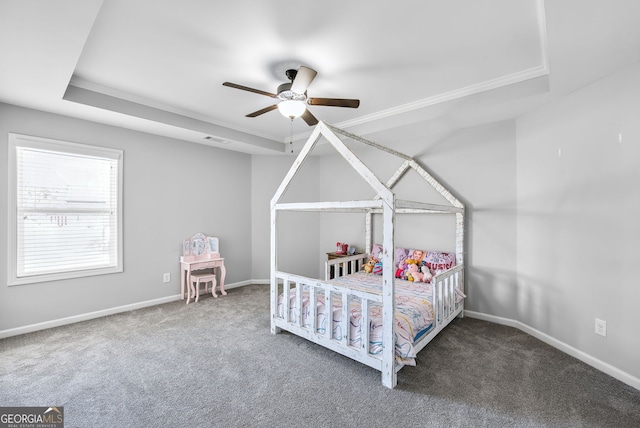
point(368, 233)
point(460, 254)
point(389, 376)
point(273, 269)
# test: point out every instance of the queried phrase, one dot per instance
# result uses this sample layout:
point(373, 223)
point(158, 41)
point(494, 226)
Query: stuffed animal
point(427, 274)
point(399, 261)
point(368, 268)
point(402, 266)
point(377, 268)
point(413, 273)
point(418, 274)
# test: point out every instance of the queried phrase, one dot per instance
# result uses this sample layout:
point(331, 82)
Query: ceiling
point(158, 66)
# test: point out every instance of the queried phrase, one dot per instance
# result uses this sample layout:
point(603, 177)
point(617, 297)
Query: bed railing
point(445, 302)
point(288, 314)
point(291, 290)
point(338, 267)
point(445, 298)
point(445, 284)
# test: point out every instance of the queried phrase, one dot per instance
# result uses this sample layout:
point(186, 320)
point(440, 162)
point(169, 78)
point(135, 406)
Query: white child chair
point(198, 278)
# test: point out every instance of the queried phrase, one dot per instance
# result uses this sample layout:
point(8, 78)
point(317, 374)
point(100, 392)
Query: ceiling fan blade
point(309, 118)
point(334, 102)
point(263, 111)
point(303, 79)
point(246, 88)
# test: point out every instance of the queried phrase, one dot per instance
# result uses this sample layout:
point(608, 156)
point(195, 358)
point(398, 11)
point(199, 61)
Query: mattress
point(413, 317)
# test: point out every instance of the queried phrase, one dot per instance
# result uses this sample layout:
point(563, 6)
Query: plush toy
point(400, 256)
point(408, 268)
point(427, 274)
point(413, 273)
point(368, 268)
point(377, 268)
point(418, 274)
point(402, 266)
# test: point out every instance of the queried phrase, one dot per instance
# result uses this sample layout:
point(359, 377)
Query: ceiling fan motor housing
point(285, 93)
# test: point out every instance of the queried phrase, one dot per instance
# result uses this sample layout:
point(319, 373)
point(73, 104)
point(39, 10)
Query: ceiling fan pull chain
point(291, 140)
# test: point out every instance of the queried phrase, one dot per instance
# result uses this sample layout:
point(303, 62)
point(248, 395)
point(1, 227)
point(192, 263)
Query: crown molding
point(456, 94)
point(510, 79)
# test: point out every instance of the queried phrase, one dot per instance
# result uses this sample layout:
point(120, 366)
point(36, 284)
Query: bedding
point(414, 313)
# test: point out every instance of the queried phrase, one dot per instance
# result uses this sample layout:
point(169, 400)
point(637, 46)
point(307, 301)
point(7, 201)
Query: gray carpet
point(215, 364)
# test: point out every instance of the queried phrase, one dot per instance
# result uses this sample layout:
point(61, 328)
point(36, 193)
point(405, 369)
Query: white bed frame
point(445, 305)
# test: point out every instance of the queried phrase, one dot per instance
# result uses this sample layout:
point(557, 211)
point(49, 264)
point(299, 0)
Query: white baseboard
point(567, 349)
point(84, 317)
point(101, 313)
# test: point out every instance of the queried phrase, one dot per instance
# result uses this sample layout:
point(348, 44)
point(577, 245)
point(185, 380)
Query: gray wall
point(297, 232)
point(172, 189)
point(478, 165)
point(578, 228)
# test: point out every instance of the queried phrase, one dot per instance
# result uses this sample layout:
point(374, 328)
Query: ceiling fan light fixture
point(292, 108)
point(292, 97)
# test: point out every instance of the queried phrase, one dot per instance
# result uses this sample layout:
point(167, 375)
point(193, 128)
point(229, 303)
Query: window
point(65, 210)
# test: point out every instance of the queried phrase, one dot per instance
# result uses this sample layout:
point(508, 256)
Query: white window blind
point(67, 205)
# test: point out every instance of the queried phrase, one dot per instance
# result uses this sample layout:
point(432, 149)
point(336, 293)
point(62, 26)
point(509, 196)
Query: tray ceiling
point(159, 66)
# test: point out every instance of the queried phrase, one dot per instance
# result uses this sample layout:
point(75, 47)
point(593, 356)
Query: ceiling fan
point(293, 97)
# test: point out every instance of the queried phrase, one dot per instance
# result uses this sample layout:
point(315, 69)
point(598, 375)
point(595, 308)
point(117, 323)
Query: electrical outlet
point(166, 277)
point(601, 327)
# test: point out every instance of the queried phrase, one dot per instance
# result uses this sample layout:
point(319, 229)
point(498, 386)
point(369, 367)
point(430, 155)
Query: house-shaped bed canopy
point(384, 203)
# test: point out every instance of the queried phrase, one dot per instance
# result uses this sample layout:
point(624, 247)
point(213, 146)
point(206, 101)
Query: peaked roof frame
point(385, 203)
point(384, 193)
